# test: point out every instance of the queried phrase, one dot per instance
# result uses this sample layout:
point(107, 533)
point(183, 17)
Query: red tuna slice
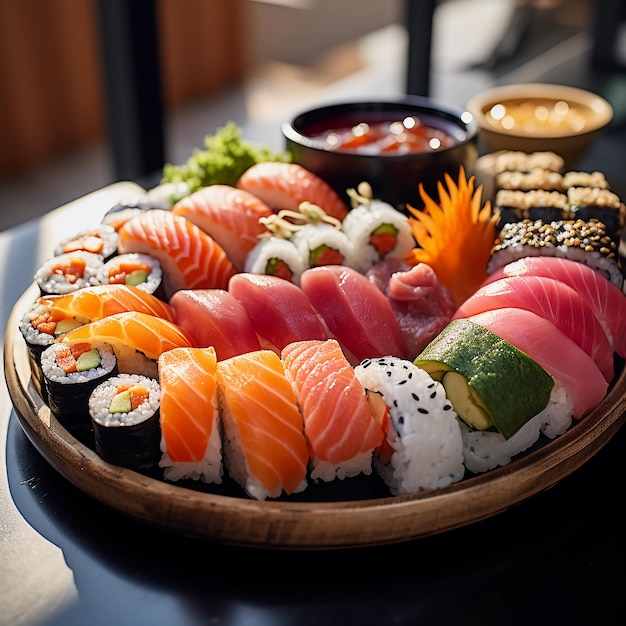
point(355, 311)
point(607, 301)
point(553, 350)
point(278, 310)
point(421, 304)
point(230, 215)
point(213, 317)
point(553, 300)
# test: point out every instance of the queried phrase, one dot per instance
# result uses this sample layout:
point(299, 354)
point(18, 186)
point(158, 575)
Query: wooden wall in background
point(51, 78)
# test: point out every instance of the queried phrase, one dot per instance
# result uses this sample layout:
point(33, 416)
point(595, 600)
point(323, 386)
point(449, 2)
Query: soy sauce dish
point(393, 145)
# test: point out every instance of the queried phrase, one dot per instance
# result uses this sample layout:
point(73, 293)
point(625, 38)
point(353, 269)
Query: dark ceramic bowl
point(393, 176)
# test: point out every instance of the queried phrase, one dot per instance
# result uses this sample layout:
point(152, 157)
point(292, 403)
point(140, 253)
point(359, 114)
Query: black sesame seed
point(422, 410)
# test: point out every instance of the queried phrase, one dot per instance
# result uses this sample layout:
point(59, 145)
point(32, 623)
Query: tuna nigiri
point(278, 310)
point(553, 350)
point(340, 429)
point(355, 312)
point(607, 301)
point(264, 445)
point(553, 300)
point(190, 258)
point(138, 339)
point(230, 215)
point(213, 317)
point(284, 185)
point(190, 438)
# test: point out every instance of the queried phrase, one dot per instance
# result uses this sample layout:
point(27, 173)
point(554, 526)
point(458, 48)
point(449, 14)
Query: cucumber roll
point(68, 272)
point(137, 269)
point(275, 256)
point(124, 412)
point(70, 373)
point(101, 240)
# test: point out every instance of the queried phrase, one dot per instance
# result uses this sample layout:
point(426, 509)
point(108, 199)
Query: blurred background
point(71, 70)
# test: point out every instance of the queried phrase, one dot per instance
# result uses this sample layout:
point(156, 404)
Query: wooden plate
point(330, 516)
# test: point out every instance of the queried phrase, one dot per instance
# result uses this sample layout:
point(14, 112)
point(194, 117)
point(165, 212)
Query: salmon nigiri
point(264, 445)
point(230, 215)
point(190, 438)
point(94, 303)
point(283, 185)
point(338, 424)
point(191, 259)
point(138, 339)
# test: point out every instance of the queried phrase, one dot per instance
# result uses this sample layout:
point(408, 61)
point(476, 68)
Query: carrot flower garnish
point(454, 236)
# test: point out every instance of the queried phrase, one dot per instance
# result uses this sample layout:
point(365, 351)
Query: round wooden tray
point(326, 517)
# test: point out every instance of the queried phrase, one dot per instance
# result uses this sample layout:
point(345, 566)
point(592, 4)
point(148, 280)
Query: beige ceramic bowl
point(539, 117)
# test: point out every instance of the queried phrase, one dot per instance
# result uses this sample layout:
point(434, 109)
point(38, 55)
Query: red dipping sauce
point(398, 136)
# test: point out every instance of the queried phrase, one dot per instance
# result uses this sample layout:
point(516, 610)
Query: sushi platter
point(335, 519)
point(340, 510)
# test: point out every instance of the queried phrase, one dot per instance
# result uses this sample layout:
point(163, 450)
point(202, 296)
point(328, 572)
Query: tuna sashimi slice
point(355, 311)
point(230, 215)
point(338, 423)
point(607, 301)
point(278, 310)
point(553, 350)
point(213, 317)
point(421, 304)
point(553, 300)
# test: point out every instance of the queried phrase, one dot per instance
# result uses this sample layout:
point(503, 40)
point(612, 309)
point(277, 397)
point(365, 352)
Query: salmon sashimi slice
point(340, 429)
point(355, 311)
point(561, 357)
point(278, 310)
point(229, 215)
point(606, 299)
point(94, 303)
point(555, 301)
point(189, 418)
point(213, 317)
point(190, 258)
point(283, 185)
point(138, 339)
point(264, 444)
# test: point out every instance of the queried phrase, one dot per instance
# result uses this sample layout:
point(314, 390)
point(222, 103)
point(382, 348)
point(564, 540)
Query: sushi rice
point(425, 435)
point(485, 450)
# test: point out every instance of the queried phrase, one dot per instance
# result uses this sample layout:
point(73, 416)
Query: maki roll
point(423, 448)
point(275, 256)
point(136, 269)
point(515, 205)
point(68, 272)
point(70, 374)
point(124, 412)
point(516, 160)
point(377, 231)
point(533, 179)
point(585, 179)
point(323, 244)
point(587, 242)
point(596, 203)
point(101, 240)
